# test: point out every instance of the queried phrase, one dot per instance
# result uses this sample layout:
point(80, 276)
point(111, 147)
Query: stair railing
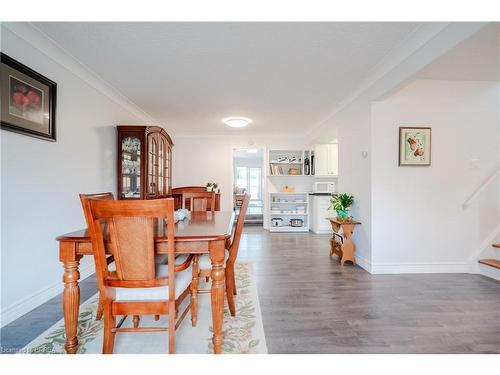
point(481, 188)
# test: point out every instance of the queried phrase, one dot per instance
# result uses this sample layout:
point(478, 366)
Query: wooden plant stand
point(341, 243)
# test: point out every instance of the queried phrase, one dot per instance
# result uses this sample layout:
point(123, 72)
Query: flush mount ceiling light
point(237, 122)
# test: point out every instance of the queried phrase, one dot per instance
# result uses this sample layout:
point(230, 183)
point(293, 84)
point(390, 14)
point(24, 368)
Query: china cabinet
point(144, 162)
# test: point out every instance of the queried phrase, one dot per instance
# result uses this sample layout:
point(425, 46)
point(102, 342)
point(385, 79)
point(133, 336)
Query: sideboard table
point(341, 243)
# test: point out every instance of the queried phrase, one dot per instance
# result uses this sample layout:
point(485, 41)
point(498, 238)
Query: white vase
point(209, 188)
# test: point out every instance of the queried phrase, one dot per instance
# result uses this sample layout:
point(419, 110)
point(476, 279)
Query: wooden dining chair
point(204, 264)
point(84, 199)
point(179, 190)
point(138, 286)
point(198, 201)
point(159, 258)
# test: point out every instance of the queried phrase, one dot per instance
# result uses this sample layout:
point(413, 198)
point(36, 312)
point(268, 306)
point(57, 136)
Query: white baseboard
point(24, 306)
point(322, 231)
point(391, 268)
point(485, 245)
point(363, 263)
point(488, 271)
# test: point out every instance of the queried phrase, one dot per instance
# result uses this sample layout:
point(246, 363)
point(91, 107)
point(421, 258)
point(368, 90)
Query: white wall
point(41, 180)
point(418, 222)
point(197, 160)
point(353, 132)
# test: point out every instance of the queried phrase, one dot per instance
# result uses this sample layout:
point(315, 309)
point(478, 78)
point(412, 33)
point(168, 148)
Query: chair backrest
point(233, 248)
point(131, 240)
point(179, 190)
point(199, 201)
point(84, 199)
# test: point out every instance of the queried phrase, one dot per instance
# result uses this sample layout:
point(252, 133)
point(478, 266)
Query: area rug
point(243, 334)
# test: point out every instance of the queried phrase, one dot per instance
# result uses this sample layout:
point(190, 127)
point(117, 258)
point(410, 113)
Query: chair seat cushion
point(204, 262)
point(182, 282)
point(163, 258)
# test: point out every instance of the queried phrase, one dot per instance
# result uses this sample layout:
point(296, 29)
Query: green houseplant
point(341, 204)
point(212, 186)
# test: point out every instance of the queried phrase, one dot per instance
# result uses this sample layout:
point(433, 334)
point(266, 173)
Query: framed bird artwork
point(414, 146)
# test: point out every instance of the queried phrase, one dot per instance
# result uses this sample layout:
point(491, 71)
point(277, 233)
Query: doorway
point(248, 178)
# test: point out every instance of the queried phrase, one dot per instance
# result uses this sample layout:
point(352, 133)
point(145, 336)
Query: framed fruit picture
point(414, 146)
point(27, 100)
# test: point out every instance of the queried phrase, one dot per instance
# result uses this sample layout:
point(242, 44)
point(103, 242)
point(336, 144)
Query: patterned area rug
point(243, 334)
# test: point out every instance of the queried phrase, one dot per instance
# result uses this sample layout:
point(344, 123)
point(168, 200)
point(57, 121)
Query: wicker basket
point(294, 171)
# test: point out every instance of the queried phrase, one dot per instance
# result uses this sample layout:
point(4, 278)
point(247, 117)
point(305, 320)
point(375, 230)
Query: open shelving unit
point(289, 163)
point(287, 206)
point(288, 171)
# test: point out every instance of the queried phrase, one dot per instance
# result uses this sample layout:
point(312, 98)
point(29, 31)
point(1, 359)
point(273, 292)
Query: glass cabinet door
point(168, 161)
point(161, 167)
point(131, 167)
point(152, 165)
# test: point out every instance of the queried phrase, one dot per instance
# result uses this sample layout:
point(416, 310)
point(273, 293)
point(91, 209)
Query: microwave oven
point(324, 187)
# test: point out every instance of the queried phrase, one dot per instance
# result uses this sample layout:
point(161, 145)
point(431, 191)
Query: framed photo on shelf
point(27, 100)
point(414, 146)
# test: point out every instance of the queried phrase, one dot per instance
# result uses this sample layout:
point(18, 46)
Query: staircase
point(492, 264)
point(489, 266)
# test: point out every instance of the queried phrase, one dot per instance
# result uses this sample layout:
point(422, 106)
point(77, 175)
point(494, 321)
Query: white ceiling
point(285, 76)
point(475, 59)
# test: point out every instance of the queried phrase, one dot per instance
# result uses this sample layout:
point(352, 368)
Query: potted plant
point(210, 186)
point(215, 187)
point(341, 204)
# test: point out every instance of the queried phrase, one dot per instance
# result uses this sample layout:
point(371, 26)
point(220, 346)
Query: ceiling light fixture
point(237, 122)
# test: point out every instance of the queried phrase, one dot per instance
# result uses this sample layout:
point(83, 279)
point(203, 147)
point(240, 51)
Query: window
point(250, 178)
point(242, 177)
point(254, 183)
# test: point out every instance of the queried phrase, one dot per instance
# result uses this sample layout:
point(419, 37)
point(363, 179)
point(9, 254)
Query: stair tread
point(491, 262)
point(496, 245)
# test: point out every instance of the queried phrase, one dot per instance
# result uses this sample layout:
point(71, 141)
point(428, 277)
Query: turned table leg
point(71, 295)
point(216, 249)
point(194, 292)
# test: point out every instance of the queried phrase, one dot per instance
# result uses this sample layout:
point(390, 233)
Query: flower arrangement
point(212, 186)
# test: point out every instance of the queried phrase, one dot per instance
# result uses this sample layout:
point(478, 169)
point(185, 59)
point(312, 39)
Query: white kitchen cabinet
point(326, 159)
point(319, 212)
point(321, 160)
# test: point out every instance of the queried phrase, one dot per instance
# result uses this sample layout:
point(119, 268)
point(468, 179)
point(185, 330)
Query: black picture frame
point(16, 123)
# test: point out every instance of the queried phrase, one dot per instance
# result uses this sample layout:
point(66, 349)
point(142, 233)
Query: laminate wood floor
point(311, 304)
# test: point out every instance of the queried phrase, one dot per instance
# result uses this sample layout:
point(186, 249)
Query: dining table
point(199, 233)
